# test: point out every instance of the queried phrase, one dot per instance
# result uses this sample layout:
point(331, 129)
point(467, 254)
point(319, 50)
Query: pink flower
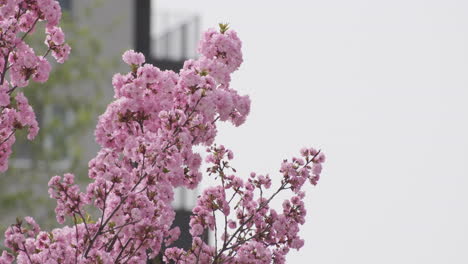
point(133, 58)
point(61, 53)
point(6, 258)
point(26, 115)
point(55, 36)
point(232, 224)
point(42, 71)
point(4, 96)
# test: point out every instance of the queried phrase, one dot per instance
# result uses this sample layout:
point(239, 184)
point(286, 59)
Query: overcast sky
point(382, 88)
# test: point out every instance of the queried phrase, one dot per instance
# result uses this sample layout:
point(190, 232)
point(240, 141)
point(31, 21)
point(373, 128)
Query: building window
point(174, 35)
point(167, 37)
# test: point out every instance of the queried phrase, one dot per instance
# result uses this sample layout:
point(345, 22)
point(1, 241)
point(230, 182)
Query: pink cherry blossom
point(147, 137)
point(131, 57)
point(19, 64)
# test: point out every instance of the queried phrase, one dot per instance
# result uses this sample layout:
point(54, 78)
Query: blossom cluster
point(253, 231)
point(19, 64)
point(147, 137)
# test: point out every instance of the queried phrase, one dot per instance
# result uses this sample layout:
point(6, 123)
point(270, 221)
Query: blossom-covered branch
point(19, 64)
point(255, 232)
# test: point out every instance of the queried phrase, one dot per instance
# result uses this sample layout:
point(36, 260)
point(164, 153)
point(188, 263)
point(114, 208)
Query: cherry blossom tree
point(147, 137)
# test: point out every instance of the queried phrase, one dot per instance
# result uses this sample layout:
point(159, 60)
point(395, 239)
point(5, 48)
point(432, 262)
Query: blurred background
point(380, 86)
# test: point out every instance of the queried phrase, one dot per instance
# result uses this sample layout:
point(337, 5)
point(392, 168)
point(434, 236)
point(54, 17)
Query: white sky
point(382, 88)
